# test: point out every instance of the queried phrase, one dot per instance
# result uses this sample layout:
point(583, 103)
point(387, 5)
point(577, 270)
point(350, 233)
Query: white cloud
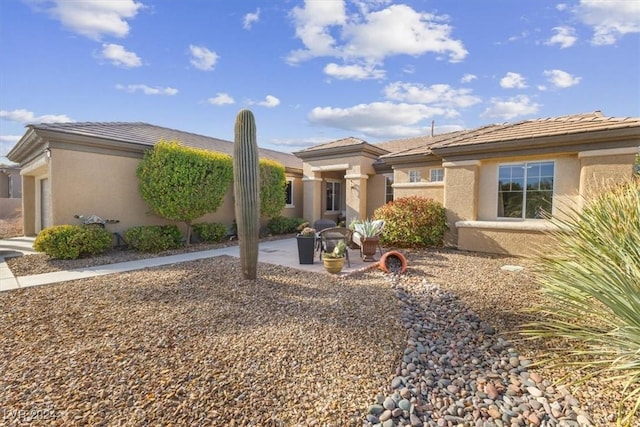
point(202, 58)
point(270, 101)
point(92, 18)
point(513, 81)
point(441, 95)
point(371, 35)
point(564, 36)
point(26, 116)
point(221, 99)
point(468, 78)
point(119, 56)
point(609, 19)
point(378, 119)
point(250, 19)
point(508, 109)
point(147, 90)
point(353, 72)
point(561, 79)
point(313, 23)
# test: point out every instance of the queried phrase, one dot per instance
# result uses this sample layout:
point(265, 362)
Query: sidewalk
point(280, 252)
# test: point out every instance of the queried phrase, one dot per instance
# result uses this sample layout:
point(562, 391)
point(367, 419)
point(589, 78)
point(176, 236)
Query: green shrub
point(73, 241)
point(591, 283)
point(412, 222)
point(154, 238)
point(210, 232)
point(284, 225)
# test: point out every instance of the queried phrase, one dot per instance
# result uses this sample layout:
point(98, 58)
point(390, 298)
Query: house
point(90, 168)
point(10, 191)
point(496, 182)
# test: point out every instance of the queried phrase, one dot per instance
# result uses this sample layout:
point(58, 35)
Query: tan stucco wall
point(428, 190)
point(107, 186)
point(460, 197)
point(601, 172)
point(376, 187)
point(513, 242)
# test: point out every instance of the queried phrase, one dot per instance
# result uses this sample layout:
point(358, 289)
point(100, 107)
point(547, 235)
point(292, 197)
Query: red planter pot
point(384, 262)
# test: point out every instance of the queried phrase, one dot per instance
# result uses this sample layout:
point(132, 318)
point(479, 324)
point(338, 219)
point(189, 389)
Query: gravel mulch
point(193, 344)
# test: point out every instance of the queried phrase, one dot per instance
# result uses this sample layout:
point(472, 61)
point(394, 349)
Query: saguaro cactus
point(246, 190)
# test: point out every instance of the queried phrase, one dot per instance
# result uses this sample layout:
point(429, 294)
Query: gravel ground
point(193, 344)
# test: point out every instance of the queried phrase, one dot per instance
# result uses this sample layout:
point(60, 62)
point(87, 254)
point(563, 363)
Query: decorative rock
point(534, 391)
point(389, 403)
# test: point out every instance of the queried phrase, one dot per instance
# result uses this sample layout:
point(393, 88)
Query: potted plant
point(306, 245)
point(366, 234)
point(334, 261)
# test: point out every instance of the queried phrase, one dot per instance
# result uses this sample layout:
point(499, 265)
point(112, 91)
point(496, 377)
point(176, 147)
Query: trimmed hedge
point(154, 238)
point(210, 232)
point(284, 225)
point(412, 222)
point(73, 241)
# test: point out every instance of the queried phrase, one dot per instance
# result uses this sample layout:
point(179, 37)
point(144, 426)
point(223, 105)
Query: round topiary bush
point(412, 222)
point(73, 241)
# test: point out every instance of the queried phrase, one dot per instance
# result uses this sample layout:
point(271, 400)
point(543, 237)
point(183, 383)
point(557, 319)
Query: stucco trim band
point(330, 168)
point(461, 163)
point(417, 184)
point(609, 152)
point(537, 225)
point(356, 176)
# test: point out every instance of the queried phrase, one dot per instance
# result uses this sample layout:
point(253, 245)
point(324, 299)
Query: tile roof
point(519, 132)
point(344, 142)
point(147, 134)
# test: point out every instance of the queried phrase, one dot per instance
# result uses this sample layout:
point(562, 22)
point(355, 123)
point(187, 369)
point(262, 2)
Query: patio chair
point(330, 236)
point(323, 223)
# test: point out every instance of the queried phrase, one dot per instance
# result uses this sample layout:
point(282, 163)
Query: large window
point(333, 196)
point(388, 196)
point(525, 190)
point(288, 191)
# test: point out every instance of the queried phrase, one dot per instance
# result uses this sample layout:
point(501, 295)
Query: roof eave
point(541, 142)
point(354, 149)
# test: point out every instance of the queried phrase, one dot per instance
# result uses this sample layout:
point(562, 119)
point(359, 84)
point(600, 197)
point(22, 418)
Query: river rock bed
point(457, 371)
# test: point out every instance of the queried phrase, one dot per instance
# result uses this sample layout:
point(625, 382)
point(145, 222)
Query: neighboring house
point(90, 168)
point(10, 191)
point(496, 182)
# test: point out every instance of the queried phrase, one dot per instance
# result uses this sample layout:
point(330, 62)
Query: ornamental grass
point(591, 284)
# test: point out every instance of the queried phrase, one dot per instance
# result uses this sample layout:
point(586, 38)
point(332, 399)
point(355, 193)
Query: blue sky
point(318, 70)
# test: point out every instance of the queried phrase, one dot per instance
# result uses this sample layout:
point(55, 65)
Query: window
point(388, 196)
point(414, 176)
point(437, 175)
point(525, 190)
point(333, 196)
point(288, 191)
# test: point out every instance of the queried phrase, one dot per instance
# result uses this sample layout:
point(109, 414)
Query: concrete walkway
point(280, 252)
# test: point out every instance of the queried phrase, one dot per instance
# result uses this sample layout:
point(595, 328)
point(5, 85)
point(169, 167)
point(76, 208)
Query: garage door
point(45, 203)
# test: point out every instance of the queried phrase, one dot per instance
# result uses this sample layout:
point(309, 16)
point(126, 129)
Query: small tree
point(272, 188)
point(181, 183)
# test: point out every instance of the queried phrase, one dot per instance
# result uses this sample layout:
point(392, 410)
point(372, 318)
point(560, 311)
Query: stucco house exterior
point(90, 168)
point(496, 182)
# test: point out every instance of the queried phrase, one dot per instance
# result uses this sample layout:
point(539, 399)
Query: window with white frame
point(525, 190)
point(288, 193)
point(388, 196)
point(437, 174)
point(414, 175)
point(333, 196)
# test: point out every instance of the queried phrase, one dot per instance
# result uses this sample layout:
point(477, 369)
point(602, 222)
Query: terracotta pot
point(333, 265)
point(384, 259)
